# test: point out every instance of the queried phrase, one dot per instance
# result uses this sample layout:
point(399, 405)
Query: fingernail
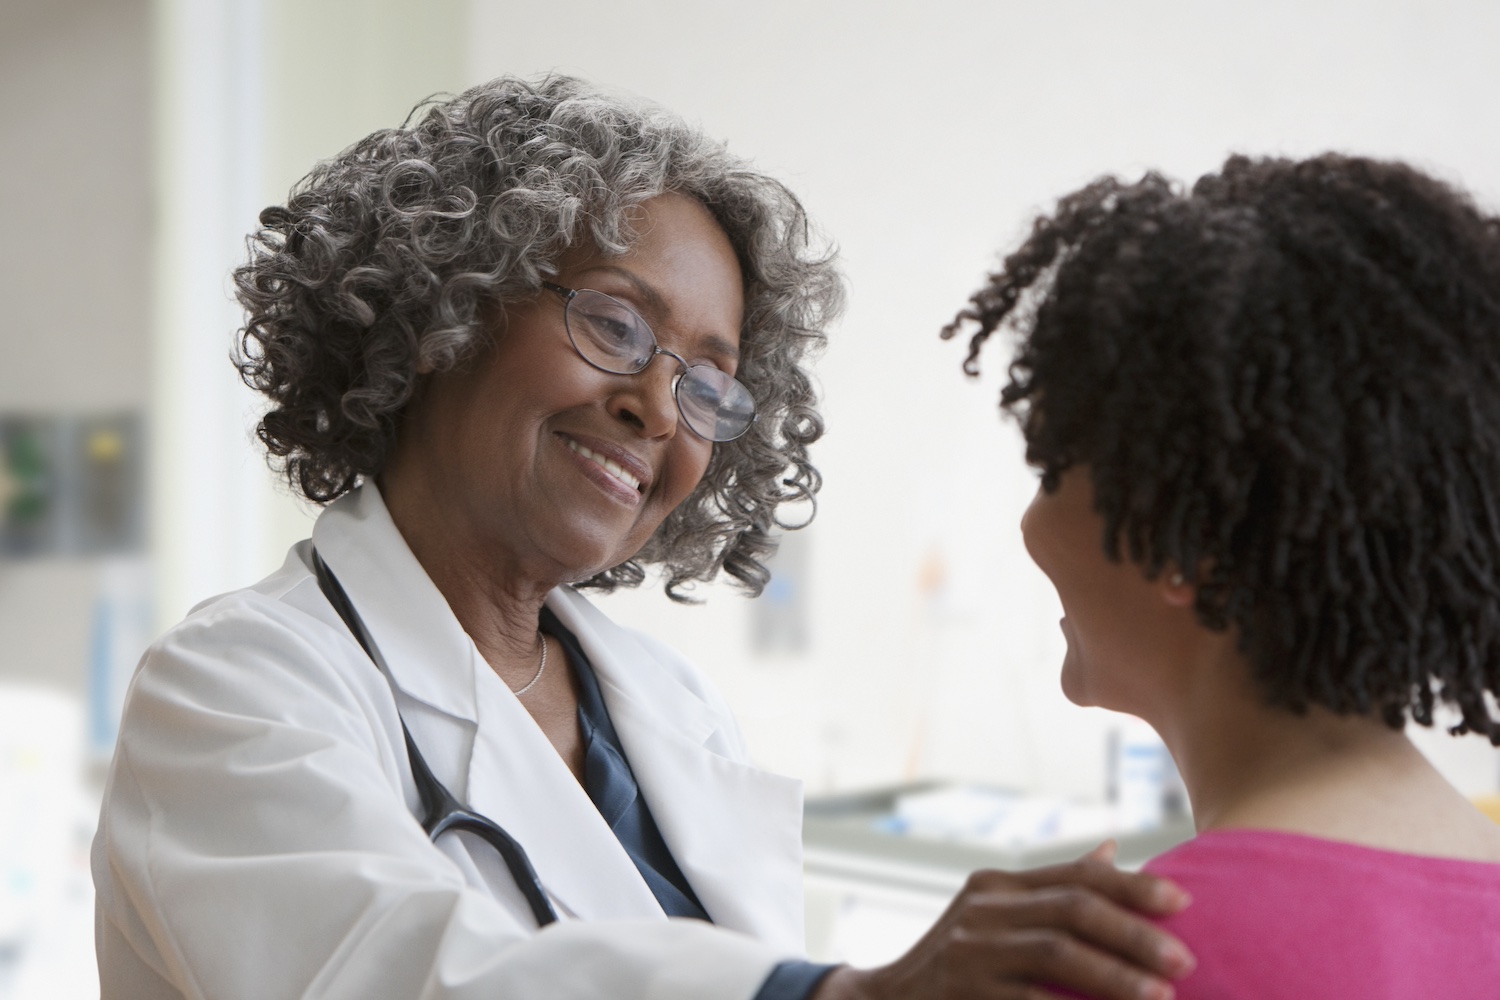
point(1153, 990)
point(1171, 897)
point(1176, 959)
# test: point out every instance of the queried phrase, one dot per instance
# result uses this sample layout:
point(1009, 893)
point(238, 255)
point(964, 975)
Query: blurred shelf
point(845, 837)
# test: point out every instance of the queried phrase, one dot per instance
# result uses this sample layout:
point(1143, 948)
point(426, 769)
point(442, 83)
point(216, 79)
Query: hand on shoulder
point(1083, 926)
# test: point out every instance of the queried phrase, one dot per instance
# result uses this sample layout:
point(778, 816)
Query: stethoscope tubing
point(441, 811)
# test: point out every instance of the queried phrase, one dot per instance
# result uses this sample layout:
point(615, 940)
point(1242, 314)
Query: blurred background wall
point(924, 137)
point(906, 635)
point(75, 272)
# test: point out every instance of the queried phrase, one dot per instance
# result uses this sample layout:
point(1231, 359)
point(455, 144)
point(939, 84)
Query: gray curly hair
point(389, 257)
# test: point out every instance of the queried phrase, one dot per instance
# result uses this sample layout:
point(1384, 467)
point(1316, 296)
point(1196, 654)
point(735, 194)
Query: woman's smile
point(615, 470)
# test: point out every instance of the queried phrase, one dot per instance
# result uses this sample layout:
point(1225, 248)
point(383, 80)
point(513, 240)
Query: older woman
point(528, 344)
point(1265, 415)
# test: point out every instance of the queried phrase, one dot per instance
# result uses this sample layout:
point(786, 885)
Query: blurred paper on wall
point(28, 485)
point(71, 485)
point(106, 457)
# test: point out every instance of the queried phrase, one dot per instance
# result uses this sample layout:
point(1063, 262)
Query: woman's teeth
point(613, 468)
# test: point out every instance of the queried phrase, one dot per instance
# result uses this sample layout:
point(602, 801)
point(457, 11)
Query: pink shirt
point(1280, 915)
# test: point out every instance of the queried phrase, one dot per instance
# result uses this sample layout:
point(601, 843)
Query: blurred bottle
point(122, 629)
point(1144, 786)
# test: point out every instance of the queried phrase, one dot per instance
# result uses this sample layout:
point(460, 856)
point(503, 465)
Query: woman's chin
point(1074, 684)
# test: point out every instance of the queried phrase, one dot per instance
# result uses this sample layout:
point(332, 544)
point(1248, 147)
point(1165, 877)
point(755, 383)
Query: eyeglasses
point(613, 338)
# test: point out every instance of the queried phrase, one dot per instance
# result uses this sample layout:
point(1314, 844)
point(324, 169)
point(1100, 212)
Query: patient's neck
point(1247, 764)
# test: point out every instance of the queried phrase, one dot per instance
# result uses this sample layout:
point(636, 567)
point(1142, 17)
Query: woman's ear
point(1175, 588)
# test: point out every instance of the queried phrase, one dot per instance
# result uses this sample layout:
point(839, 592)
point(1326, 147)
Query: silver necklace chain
point(539, 670)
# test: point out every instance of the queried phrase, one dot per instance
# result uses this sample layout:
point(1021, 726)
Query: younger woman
point(1266, 414)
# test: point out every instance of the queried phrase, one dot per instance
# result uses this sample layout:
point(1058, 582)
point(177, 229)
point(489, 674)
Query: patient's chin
point(1074, 680)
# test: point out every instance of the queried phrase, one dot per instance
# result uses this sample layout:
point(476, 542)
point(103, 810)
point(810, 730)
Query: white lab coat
point(257, 837)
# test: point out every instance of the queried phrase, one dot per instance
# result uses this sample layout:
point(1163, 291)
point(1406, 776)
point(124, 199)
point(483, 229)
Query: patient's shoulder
point(1226, 858)
point(1285, 915)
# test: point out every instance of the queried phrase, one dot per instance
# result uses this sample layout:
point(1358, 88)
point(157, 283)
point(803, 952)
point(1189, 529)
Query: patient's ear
point(1175, 588)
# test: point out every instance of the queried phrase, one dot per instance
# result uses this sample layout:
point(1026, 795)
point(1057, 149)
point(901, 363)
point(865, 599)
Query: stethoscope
point(442, 812)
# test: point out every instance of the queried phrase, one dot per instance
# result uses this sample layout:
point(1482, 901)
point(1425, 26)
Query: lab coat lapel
point(734, 830)
point(517, 779)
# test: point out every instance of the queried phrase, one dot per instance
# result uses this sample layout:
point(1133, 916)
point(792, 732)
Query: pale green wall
point(337, 70)
point(250, 95)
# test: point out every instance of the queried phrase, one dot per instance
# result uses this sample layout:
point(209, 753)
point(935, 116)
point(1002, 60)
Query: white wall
point(924, 137)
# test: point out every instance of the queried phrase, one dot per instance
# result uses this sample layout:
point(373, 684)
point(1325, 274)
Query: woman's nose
point(645, 400)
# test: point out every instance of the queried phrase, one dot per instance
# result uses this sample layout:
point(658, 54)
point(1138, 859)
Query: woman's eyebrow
point(658, 305)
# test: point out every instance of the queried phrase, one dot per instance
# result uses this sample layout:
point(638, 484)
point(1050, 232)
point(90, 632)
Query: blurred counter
point(882, 865)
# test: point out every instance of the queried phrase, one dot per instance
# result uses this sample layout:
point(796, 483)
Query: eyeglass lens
point(610, 336)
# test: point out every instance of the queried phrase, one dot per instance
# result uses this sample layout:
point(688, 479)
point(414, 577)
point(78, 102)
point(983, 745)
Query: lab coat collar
point(420, 643)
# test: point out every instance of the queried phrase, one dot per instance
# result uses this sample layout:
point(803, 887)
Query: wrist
point(845, 983)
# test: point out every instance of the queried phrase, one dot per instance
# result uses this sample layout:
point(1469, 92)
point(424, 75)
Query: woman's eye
point(611, 329)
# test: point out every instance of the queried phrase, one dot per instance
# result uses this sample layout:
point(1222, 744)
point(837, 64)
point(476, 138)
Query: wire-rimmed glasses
point(612, 337)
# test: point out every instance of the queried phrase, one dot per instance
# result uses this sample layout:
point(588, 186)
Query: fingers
point(1009, 935)
point(1080, 913)
point(1133, 890)
point(1039, 956)
point(1086, 900)
point(845, 983)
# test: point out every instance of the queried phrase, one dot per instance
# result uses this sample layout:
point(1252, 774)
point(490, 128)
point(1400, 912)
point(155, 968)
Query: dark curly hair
point(1286, 383)
point(389, 257)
